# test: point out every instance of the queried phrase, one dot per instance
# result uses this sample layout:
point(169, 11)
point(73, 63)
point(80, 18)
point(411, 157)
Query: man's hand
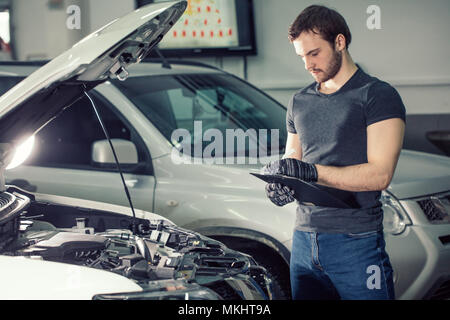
point(279, 194)
point(293, 168)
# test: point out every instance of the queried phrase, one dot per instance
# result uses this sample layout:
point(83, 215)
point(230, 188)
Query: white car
point(54, 247)
point(71, 157)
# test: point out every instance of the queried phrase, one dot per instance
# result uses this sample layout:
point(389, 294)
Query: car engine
point(166, 261)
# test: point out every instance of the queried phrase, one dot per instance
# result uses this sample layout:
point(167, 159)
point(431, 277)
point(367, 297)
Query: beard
point(332, 69)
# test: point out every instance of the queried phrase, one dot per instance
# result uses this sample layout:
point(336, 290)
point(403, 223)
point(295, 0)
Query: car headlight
point(395, 218)
point(164, 290)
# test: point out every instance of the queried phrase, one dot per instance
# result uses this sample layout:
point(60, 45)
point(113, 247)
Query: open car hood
point(39, 98)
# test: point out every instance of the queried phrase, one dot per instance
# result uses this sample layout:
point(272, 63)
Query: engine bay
point(159, 257)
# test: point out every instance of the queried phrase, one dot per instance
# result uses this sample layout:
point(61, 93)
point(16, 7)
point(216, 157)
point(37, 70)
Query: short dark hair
point(321, 20)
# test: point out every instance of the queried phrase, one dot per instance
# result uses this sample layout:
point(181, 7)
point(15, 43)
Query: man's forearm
point(361, 177)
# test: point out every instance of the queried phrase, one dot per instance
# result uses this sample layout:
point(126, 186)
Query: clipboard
point(305, 192)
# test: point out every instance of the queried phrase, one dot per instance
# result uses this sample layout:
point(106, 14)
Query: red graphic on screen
point(205, 22)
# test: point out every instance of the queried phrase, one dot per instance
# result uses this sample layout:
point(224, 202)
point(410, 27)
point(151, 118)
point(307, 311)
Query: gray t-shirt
point(332, 131)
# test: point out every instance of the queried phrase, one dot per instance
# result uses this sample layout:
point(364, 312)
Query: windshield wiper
point(116, 159)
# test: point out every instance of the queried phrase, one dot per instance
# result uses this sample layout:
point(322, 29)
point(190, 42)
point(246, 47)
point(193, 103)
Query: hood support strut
point(116, 159)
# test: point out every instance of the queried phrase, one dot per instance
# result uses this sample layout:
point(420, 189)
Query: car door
point(61, 160)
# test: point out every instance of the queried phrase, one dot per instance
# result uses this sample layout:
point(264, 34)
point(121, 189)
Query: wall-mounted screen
point(211, 27)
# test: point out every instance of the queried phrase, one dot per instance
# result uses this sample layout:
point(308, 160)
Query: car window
point(219, 101)
point(67, 141)
point(203, 107)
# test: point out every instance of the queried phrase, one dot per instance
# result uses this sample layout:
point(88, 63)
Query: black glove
point(293, 168)
point(279, 194)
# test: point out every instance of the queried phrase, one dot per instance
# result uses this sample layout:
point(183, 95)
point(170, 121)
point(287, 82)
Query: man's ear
point(340, 42)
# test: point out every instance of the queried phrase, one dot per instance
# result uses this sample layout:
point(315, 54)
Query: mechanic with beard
point(345, 132)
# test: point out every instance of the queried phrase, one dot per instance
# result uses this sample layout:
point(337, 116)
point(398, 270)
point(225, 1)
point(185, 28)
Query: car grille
point(430, 210)
point(436, 208)
point(443, 292)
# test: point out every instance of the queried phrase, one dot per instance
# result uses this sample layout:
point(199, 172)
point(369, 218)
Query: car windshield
point(198, 102)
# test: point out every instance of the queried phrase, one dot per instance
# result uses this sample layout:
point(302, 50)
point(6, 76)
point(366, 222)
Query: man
point(345, 132)
point(5, 50)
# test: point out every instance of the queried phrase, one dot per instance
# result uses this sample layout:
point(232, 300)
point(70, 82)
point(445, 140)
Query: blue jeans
point(340, 266)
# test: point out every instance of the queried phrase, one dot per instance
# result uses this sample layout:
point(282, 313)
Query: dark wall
point(417, 127)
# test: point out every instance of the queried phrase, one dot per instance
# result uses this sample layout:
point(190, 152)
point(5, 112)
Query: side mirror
point(103, 157)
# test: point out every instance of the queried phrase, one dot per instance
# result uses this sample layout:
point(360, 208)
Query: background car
point(223, 201)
